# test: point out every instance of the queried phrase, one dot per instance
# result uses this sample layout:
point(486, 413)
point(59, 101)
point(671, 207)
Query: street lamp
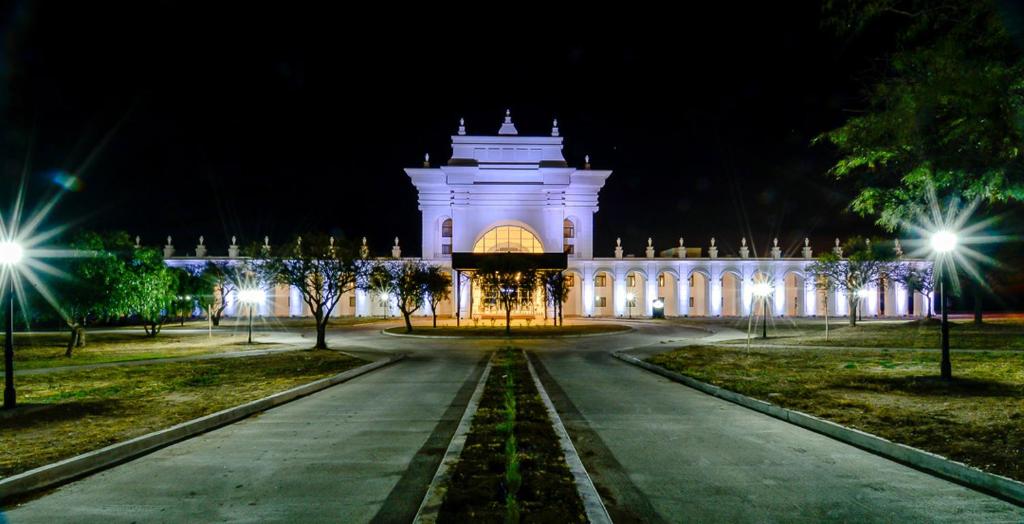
point(251, 297)
point(11, 253)
point(763, 290)
point(943, 243)
point(630, 297)
point(862, 293)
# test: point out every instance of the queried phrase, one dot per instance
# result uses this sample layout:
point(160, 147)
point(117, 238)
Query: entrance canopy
point(542, 261)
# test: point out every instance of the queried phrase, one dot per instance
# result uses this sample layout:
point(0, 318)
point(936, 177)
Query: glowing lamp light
point(11, 253)
point(762, 289)
point(630, 296)
point(944, 241)
point(659, 303)
point(863, 293)
point(252, 296)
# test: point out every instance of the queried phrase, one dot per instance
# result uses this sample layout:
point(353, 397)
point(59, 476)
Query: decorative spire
point(396, 241)
point(680, 241)
point(234, 240)
point(744, 241)
point(298, 241)
point(426, 160)
point(775, 242)
point(364, 241)
point(554, 127)
point(138, 239)
point(618, 241)
point(462, 126)
point(648, 241)
point(169, 243)
point(712, 241)
point(201, 240)
point(266, 241)
point(837, 241)
point(807, 242)
point(508, 128)
point(744, 250)
point(332, 241)
point(898, 248)
point(586, 161)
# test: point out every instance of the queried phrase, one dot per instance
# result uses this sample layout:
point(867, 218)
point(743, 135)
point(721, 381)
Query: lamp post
point(630, 297)
point(862, 293)
point(943, 242)
point(763, 290)
point(10, 255)
point(251, 297)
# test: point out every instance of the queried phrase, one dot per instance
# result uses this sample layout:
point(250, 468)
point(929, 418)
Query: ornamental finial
point(168, 240)
point(554, 127)
point(744, 241)
point(137, 240)
point(396, 241)
point(426, 160)
point(234, 240)
point(618, 241)
point(837, 241)
point(712, 241)
point(266, 240)
point(462, 126)
point(807, 242)
point(775, 242)
point(364, 241)
point(201, 240)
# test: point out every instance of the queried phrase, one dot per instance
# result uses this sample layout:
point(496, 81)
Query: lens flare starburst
point(947, 235)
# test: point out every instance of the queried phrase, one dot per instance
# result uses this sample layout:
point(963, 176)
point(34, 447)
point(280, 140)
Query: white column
point(841, 306)
point(746, 293)
point(652, 290)
point(619, 292)
point(683, 292)
point(871, 301)
point(900, 294)
point(714, 306)
point(779, 298)
point(295, 302)
point(588, 290)
point(362, 303)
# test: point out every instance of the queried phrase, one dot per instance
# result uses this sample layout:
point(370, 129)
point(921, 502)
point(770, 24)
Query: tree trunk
point(408, 323)
point(561, 318)
point(929, 307)
point(75, 340)
point(321, 335)
point(435, 316)
point(826, 316)
point(977, 305)
point(80, 343)
point(508, 320)
point(853, 312)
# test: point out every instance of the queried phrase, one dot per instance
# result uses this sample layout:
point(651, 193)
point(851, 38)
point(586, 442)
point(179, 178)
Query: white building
point(515, 193)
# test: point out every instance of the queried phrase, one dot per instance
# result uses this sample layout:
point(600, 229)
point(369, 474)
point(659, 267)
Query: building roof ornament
point(426, 160)
point(586, 161)
point(507, 127)
point(554, 127)
point(462, 127)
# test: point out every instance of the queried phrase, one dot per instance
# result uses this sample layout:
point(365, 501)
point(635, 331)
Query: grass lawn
point(44, 350)
point(977, 419)
point(963, 334)
point(498, 330)
point(72, 412)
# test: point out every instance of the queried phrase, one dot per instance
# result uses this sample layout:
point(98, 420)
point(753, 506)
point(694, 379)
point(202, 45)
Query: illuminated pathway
point(658, 451)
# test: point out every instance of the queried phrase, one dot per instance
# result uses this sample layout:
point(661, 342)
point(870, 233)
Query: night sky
point(181, 120)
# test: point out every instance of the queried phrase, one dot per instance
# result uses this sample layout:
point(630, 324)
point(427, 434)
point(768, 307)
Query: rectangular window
point(446, 229)
point(691, 280)
point(570, 249)
point(691, 301)
point(631, 280)
point(601, 302)
point(569, 232)
point(446, 249)
point(661, 280)
point(352, 301)
point(600, 281)
point(570, 280)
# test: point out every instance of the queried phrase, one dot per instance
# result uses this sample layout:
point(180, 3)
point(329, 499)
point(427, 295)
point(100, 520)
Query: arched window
point(446, 237)
point(568, 229)
point(508, 239)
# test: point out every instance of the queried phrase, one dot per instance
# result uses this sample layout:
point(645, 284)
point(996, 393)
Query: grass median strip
point(512, 467)
point(897, 395)
point(518, 331)
point(68, 413)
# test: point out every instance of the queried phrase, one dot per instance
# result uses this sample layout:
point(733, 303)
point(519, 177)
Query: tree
point(189, 285)
point(511, 279)
point(555, 292)
point(94, 276)
point(437, 286)
point(944, 110)
point(220, 279)
point(148, 288)
point(916, 280)
point(405, 281)
point(321, 270)
point(865, 264)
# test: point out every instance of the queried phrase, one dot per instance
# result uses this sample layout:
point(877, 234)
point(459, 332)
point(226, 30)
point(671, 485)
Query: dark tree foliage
point(437, 286)
point(944, 107)
point(511, 278)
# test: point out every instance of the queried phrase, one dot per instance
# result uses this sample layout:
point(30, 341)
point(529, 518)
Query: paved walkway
point(365, 450)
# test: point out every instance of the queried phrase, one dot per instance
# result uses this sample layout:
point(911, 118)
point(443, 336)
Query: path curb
point(503, 337)
point(51, 475)
point(998, 485)
point(431, 505)
point(596, 511)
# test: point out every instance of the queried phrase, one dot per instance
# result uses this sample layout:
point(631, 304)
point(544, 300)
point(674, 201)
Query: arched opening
point(508, 239)
point(636, 295)
point(668, 292)
point(731, 287)
point(795, 295)
point(604, 286)
point(568, 237)
point(446, 236)
point(698, 300)
point(573, 305)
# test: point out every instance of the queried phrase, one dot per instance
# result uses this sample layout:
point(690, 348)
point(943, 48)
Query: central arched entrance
point(507, 239)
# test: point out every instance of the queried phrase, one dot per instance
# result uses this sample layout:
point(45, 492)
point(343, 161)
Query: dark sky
point(184, 120)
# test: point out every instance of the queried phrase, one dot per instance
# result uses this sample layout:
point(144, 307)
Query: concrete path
point(366, 450)
point(360, 451)
point(659, 451)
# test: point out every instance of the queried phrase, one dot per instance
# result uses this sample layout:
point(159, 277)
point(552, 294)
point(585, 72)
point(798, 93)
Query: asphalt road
point(365, 451)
